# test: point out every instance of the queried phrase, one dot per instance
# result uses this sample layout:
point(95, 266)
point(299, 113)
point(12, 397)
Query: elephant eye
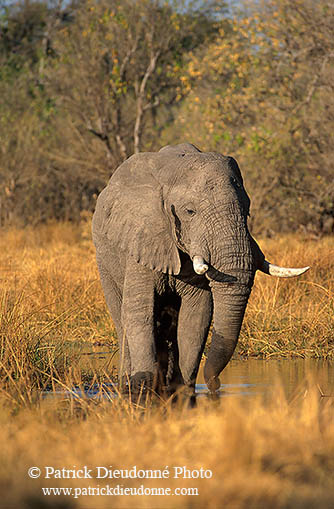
point(190, 211)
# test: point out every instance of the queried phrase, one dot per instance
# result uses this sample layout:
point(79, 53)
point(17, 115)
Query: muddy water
point(241, 377)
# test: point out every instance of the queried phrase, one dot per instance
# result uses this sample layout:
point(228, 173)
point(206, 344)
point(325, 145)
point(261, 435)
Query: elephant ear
point(135, 218)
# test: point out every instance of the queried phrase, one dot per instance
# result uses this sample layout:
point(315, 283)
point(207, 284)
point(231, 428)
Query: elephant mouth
point(221, 277)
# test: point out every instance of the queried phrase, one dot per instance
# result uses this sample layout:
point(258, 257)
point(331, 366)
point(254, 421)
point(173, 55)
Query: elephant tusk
point(200, 267)
point(275, 270)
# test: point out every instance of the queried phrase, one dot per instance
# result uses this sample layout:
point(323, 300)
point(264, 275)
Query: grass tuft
point(277, 453)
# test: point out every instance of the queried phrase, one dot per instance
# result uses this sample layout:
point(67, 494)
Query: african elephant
point(174, 253)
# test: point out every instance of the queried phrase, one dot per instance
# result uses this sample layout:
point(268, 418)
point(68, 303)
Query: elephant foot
point(184, 396)
point(213, 384)
point(142, 385)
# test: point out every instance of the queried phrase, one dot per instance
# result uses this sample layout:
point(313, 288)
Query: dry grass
point(293, 317)
point(279, 454)
point(51, 305)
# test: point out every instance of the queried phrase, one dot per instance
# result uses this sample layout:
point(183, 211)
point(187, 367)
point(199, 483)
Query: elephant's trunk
point(229, 309)
point(234, 261)
point(230, 264)
point(231, 282)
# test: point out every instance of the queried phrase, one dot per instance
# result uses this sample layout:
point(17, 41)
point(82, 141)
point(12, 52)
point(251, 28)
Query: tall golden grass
point(293, 317)
point(261, 454)
point(279, 455)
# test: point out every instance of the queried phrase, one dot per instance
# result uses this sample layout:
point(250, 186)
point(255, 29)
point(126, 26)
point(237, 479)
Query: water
point(248, 377)
point(241, 377)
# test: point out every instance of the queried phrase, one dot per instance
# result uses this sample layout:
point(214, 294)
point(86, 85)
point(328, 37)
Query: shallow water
point(241, 377)
point(257, 376)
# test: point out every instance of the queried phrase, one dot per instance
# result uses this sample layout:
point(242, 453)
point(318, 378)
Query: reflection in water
point(258, 376)
point(240, 378)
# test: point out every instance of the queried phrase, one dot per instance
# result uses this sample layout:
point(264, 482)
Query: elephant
point(175, 256)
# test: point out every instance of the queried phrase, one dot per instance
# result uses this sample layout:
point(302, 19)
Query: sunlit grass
point(293, 317)
point(52, 303)
point(275, 455)
point(262, 454)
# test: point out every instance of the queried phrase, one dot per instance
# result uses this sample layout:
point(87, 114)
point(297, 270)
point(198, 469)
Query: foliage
point(119, 64)
point(94, 82)
point(263, 92)
point(86, 84)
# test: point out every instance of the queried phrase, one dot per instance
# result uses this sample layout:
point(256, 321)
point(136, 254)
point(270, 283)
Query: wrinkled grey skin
point(157, 212)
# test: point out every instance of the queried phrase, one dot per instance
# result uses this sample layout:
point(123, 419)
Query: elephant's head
point(182, 200)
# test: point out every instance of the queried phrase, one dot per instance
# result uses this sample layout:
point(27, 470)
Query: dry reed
point(261, 454)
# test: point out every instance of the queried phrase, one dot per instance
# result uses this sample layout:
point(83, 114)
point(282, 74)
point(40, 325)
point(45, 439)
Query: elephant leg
point(138, 325)
point(113, 299)
point(193, 327)
point(166, 345)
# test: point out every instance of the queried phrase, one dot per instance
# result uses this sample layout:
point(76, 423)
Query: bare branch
point(127, 57)
point(121, 146)
point(141, 108)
